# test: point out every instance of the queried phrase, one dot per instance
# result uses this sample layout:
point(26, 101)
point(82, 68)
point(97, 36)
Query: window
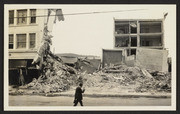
point(126, 27)
point(150, 41)
point(21, 16)
point(150, 27)
point(133, 41)
point(33, 16)
point(122, 41)
point(11, 41)
point(32, 37)
point(137, 33)
point(133, 27)
point(122, 27)
point(11, 17)
point(21, 40)
point(126, 41)
point(131, 52)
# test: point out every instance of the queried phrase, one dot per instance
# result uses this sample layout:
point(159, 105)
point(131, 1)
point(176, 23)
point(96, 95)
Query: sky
point(88, 34)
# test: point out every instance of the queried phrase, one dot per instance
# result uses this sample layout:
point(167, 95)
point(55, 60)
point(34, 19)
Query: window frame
point(30, 40)
point(11, 18)
point(32, 16)
point(24, 42)
point(138, 35)
point(11, 43)
point(22, 17)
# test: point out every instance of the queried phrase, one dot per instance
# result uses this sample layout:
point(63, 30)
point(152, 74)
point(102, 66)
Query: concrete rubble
point(58, 77)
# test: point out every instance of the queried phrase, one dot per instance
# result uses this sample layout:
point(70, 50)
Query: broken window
point(150, 27)
point(21, 16)
point(150, 41)
point(125, 27)
point(133, 41)
point(131, 52)
point(11, 43)
point(138, 33)
point(122, 41)
point(33, 15)
point(122, 27)
point(21, 40)
point(32, 37)
point(133, 27)
point(11, 17)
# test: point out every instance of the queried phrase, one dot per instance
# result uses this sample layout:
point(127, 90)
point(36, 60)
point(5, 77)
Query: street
point(27, 100)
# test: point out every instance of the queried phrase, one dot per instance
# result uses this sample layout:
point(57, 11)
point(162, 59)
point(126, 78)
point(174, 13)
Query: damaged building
point(88, 64)
point(24, 37)
point(138, 42)
point(26, 34)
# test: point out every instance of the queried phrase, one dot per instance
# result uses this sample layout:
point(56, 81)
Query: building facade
point(138, 41)
point(133, 34)
point(25, 35)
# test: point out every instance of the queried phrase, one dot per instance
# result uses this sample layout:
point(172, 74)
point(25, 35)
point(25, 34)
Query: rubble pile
point(55, 77)
point(139, 79)
point(58, 77)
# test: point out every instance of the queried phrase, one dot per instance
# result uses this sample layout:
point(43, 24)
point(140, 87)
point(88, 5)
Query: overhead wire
point(84, 13)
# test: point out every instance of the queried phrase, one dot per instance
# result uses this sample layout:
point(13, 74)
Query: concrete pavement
point(101, 94)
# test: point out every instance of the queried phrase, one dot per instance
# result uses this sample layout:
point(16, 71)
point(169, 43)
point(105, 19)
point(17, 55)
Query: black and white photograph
point(69, 57)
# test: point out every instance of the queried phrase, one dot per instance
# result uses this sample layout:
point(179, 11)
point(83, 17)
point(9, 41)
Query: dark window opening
point(11, 43)
point(33, 15)
point(11, 17)
point(131, 52)
point(134, 41)
point(133, 27)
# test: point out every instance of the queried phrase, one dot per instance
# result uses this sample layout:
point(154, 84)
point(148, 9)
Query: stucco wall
point(152, 59)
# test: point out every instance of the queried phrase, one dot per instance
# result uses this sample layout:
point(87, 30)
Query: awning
point(21, 63)
point(17, 63)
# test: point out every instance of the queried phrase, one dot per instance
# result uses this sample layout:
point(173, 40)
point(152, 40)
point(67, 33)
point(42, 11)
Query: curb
point(93, 95)
point(113, 95)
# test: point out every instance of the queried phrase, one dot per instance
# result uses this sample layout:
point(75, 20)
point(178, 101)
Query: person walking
point(78, 95)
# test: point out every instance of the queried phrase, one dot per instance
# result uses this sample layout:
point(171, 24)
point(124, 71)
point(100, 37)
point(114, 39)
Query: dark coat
point(78, 93)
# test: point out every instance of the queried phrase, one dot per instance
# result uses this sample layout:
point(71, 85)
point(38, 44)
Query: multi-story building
point(132, 34)
point(25, 35)
point(138, 40)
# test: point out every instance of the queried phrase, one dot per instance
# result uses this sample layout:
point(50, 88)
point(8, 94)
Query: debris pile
point(56, 77)
point(139, 79)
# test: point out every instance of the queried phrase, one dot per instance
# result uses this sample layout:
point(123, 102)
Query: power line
point(84, 13)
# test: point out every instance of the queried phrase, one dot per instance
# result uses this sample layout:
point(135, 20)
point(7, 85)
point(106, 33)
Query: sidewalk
point(110, 94)
point(100, 94)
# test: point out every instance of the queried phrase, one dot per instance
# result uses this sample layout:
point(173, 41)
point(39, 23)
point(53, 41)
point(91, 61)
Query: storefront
point(21, 71)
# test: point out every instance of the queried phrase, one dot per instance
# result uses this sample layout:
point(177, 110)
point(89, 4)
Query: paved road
point(27, 100)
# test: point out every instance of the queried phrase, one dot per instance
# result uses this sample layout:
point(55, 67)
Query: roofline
point(116, 19)
point(112, 49)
